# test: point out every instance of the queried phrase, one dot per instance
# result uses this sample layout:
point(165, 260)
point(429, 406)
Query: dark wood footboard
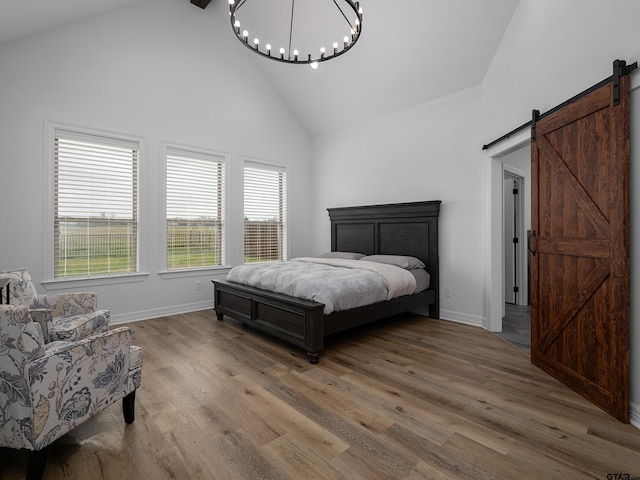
point(296, 321)
point(302, 322)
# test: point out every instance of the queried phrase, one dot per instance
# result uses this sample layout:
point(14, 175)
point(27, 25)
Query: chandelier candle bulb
point(256, 43)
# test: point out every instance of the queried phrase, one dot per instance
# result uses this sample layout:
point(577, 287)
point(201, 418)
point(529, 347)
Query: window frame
point(53, 129)
point(223, 158)
point(273, 166)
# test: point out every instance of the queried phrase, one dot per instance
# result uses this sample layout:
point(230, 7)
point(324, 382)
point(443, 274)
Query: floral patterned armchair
point(62, 316)
point(46, 390)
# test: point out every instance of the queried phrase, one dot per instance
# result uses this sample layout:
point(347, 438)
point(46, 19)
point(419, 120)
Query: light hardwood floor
point(414, 398)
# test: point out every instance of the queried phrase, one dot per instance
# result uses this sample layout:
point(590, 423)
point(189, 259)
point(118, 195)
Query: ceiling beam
point(200, 3)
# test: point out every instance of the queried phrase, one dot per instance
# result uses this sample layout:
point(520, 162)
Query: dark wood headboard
point(392, 229)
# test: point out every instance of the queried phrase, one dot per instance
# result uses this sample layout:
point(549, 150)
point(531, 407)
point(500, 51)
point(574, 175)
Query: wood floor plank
point(378, 397)
point(483, 458)
point(623, 436)
point(436, 456)
point(273, 411)
point(411, 398)
point(239, 413)
point(296, 461)
point(366, 448)
point(416, 412)
point(235, 457)
point(316, 385)
point(424, 470)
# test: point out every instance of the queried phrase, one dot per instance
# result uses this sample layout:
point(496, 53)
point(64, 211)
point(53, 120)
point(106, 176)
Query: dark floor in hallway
point(516, 326)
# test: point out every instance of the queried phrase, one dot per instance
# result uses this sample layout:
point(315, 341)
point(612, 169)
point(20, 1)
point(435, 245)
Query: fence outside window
point(194, 243)
point(100, 247)
point(263, 241)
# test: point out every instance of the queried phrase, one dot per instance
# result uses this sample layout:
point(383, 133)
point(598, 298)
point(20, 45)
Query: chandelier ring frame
point(290, 58)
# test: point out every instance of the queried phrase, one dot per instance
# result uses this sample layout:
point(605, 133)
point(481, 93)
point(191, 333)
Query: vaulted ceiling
point(21, 18)
point(410, 52)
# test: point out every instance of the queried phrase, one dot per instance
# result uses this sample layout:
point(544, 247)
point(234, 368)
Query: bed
point(409, 229)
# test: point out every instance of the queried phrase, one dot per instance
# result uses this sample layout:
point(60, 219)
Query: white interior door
point(513, 238)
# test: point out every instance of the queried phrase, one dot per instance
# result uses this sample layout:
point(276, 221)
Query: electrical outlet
point(447, 291)
point(198, 285)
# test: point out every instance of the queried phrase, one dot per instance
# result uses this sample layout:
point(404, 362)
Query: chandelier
point(294, 29)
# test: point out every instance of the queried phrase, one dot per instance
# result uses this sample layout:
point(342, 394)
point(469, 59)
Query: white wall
point(551, 51)
point(163, 70)
point(430, 152)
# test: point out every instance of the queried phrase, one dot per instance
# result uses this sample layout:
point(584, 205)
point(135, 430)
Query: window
point(95, 205)
point(195, 210)
point(265, 213)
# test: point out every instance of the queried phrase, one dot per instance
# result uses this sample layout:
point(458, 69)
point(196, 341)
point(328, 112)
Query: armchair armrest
point(44, 318)
point(75, 380)
point(68, 303)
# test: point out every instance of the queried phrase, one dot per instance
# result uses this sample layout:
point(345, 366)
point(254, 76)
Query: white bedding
point(339, 284)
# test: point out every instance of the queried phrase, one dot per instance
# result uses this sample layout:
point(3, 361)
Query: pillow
point(402, 261)
point(347, 255)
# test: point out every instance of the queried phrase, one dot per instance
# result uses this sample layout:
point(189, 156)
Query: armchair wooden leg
point(36, 463)
point(129, 408)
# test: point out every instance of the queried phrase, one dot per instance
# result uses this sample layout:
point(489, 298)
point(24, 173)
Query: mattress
point(339, 284)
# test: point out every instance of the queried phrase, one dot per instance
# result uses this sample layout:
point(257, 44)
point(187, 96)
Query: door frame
point(492, 228)
point(522, 278)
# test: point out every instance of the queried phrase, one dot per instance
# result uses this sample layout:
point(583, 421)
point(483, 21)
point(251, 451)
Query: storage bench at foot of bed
point(296, 321)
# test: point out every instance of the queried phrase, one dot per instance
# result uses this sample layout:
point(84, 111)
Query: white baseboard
point(452, 316)
point(634, 414)
point(465, 318)
point(160, 312)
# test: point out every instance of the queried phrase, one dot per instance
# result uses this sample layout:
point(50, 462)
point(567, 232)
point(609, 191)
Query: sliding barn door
point(580, 259)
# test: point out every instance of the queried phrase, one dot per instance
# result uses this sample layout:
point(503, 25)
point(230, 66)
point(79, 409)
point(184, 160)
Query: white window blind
point(95, 205)
point(265, 213)
point(195, 210)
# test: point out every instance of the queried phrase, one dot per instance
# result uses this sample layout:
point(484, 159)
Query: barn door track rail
point(620, 69)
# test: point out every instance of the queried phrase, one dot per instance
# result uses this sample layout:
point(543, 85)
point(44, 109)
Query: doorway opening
point(515, 292)
point(516, 223)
